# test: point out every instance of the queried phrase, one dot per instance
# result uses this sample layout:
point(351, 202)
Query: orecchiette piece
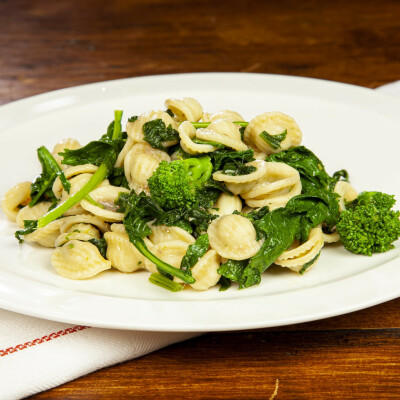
point(69, 173)
point(346, 193)
point(243, 183)
point(69, 223)
point(122, 253)
point(47, 235)
point(226, 204)
point(78, 260)
point(60, 147)
point(140, 163)
point(135, 129)
point(105, 196)
point(224, 132)
point(186, 133)
point(228, 115)
point(83, 232)
point(275, 188)
point(187, 109)
point(163, 233)
point(274, 123)
point(233, 237)
point(121, 156)
point(296, 257)
point(205, 271)
point(331, 237)
point(170, 252)
point(18, 195)
point(77, 183)
point(32, 213)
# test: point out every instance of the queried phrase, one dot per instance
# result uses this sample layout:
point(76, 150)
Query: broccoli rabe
point(368, 225)
point(178, 184)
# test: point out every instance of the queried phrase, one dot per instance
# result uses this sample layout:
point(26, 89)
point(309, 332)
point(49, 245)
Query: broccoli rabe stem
point(163, 266)
point(55, 213)
point(117, 124)
point(205, 124)
point(164, 282)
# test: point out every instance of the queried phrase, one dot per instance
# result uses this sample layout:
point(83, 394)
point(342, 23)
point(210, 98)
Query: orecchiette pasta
point(224, 132)
point(296, 257)
point(18, 195)
point(71, 172)
point(274, 123)
point(78, 260)
point(346, 193)
point(240, 183)
point(226, 204)
point(170, 252)
point(32, 213)
point(187, 109)
point(122, 253)
point(275, 188)
point(70, 144)
point(105, 206)
point(163, 233)
point(228, 115)
point(186, 133)
point(205, 271)
point(83, 232)
point(233, 237)
point(140, 163)
point(47, 235)
point(135, 129)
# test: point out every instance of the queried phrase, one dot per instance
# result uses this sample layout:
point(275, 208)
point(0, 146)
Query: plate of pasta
point(199, 202)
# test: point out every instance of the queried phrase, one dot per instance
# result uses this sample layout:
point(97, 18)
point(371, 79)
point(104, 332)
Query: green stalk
point(205, 124)
point(55, 213)
point(164, 282)
point(169, 269)
point(94, 202)
point(117, 124)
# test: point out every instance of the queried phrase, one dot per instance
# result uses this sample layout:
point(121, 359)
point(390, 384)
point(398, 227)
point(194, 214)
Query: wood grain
point(47, 45)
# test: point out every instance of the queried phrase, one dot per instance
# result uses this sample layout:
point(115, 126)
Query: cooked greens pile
point(182, 192)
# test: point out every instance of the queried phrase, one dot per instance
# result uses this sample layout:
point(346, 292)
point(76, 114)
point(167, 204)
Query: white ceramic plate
point(346, 126)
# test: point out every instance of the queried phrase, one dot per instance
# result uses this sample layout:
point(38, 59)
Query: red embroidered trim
point(46, 338)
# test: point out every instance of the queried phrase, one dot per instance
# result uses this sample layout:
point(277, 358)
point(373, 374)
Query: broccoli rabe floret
point(177, 184)
point(368, 225)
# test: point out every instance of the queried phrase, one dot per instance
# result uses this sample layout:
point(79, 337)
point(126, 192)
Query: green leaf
point(210, 142)
point(118, 178)
point(194, 252)
point(233, 270)
point(95, 152)
point(280, 228)
point(309, 166)
point(155, 132)
point(231, 160)
point(101, 245)
point(42, 188)
point(273, 140)
point(30, 226)
point(308, 264)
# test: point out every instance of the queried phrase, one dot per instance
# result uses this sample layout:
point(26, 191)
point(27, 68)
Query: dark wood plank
point(47, 45)
point(322, 364)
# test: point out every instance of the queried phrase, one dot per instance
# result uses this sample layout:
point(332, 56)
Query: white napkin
point(37, 355)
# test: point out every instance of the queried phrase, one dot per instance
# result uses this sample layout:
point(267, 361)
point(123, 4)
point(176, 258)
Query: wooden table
point(47, 45)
